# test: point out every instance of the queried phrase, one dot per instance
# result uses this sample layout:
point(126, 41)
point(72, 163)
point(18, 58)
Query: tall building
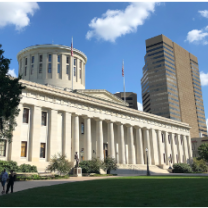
point(171, 84)
point(131, 99)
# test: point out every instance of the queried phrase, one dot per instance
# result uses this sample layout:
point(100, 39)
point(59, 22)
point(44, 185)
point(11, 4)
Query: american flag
point(72, 47)
point(123, 69)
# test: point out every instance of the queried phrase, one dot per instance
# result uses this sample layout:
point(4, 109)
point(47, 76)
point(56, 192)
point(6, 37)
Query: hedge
point(181, 168)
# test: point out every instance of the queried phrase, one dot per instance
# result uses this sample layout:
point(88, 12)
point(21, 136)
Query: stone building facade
point(94, 123)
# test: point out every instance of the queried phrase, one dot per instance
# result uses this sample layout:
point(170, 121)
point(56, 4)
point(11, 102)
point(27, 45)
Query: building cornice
point(50, 46)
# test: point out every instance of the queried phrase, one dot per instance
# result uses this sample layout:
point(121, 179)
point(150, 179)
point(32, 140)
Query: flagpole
point(124, 83)
point(72, 63)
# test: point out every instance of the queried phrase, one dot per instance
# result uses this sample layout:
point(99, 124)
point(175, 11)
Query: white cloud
point(16, 13)
point(115, 23)
point(12, 73)
point(197, 36)
point(204, 13)
point(140, 106)
point(204, 78)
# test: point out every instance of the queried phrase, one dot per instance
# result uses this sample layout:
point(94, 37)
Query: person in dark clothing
point(12, 178)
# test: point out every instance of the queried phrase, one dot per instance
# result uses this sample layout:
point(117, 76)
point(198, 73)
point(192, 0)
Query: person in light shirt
point(4, 176)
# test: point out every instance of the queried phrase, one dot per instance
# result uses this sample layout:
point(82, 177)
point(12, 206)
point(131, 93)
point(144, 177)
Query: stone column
point(75, 135)
point(52, 139)
point(147, 145)
point(99, 128)
point(15, 146)
point(121, 144)
point(130, 137)
point(180, 149)
point(189, 147)
point(88, 139)
point(139, 146)
point(67, 135)
point(174, 150)
point(167, 150)
point(34, 144)
point(154, 147)
point(160, 147)
point(185, 147)
point(111, 143)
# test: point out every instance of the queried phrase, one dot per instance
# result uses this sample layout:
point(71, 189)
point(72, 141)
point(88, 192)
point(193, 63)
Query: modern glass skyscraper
point(171, 84)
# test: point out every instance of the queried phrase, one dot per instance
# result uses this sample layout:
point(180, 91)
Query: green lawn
point(162, 191)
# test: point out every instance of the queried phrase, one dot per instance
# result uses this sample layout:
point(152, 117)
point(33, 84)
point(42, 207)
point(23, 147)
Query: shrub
point(27, 168)
point(8, 165)
point(199, 165)
point(181, 168)
point(110, 164)
point(203, 151)
point(91, 166)
point(59, 163)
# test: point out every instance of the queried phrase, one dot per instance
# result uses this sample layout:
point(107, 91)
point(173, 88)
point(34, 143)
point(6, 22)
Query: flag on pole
point(72, 47)
point(123, 69)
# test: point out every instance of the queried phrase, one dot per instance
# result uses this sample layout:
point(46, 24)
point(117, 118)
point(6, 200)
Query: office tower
point(131, 99)
point(171, 84)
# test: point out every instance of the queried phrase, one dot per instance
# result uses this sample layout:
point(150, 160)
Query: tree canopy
point(10, 95)
point(203, 152)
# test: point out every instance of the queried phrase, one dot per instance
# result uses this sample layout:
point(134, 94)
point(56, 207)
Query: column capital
point(137, 127)
point(98, 119)
point(86, 116)
point(75, 114)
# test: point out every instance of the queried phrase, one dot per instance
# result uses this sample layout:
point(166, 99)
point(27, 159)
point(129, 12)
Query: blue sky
point(107, 33)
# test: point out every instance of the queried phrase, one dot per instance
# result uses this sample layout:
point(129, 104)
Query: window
point(82, 128)
point(162, 138)
point(169, 139)
point(49, 67)
point(67, 59)
point(32, 67)
point(49, 58)
point(181, 140)
point(80, 64)
point(67, 69)
point(23, 149)
point(42, 150)
point(33, 58)
point(40, 58)
point(80, 73)
point(75, 61)
point(3, 148)
point(25, 71)
point(40, 68)
point(44, 119)
point(175, 140)
point(170, 158)
point(177, 158)
point(58, 68)
point(25, 115)
point(164, 157)
point(25, 61)
point(74, 71)
point(59, 58)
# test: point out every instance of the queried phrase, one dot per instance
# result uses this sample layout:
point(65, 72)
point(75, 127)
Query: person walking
point(12, 178)
point(4, 177)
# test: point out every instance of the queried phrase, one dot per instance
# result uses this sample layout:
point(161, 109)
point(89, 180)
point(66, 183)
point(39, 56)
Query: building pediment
point(103, 95)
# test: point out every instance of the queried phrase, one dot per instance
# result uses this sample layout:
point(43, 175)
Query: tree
point(10, 92)
point(110, 164)
point(203, 152)
point(59, 163)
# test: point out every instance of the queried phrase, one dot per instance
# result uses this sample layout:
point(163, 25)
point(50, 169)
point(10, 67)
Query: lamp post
point(148, 173)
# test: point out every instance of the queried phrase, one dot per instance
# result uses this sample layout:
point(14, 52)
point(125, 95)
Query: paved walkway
point(23, 185)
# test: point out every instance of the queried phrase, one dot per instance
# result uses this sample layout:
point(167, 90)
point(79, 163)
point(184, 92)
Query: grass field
point(117, 192)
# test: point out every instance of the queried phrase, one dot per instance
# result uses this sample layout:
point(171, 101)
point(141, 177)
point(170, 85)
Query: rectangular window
point(169, 139)
point(175, 140)
point(74, 71)
point(44, 118)
point(80, 64)
point(67, 69)
point(23, 149)
point(162, 138)
point(40, 68)
point(67, 59)
point(80, 73)
point(40, 58)
point(59, 58)
point(170, 158)
point(25, 71)
point(25, 61)
point(58, 68)
point(42, 150)
point(75, 61)
point(25, 115)
point(164, 157)
point(49, 67)
point(32, 67)
point(3, 148)
point(49, 58)
point(82, 128)
point(33, 59)
point(181, 140)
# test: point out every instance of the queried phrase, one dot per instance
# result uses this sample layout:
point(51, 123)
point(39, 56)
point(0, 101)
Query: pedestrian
point(12, 178)
point(4, 177)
